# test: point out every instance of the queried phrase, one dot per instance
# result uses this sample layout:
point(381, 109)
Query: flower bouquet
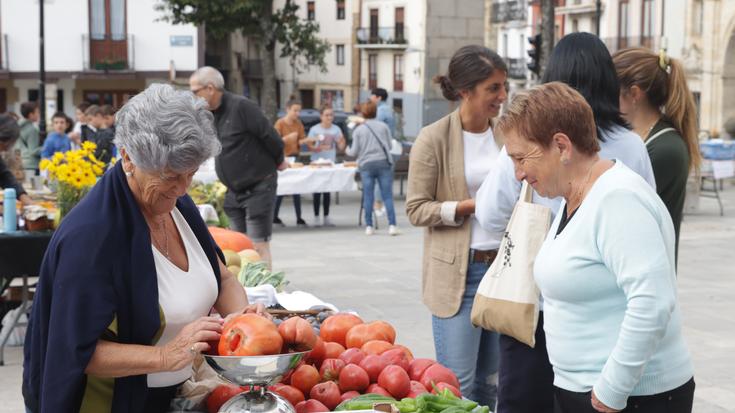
point(74, 173)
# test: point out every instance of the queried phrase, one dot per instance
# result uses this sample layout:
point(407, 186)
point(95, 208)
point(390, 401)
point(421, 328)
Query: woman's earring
point(564, 161)
point(128, 174)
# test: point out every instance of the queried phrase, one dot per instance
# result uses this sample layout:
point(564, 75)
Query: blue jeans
point(383, 175)
point(470, 352)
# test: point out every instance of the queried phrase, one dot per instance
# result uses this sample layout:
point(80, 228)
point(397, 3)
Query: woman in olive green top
point(656, 101)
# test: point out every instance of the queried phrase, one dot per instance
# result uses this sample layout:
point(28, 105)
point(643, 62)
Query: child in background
point(328, 139)
point(99, 119)
point(56, 141)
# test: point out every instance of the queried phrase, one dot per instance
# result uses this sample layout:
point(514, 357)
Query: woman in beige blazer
point(449, 162)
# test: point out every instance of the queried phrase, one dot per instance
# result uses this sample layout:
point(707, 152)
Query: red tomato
point(220, 395)
point(437, 374)
point(335, 327)
point(395, 356)
point(297, 334)
point(375, 389)
point(316, 355)
point(304, 378)
point(311, 406)
point(348, 395)
point(250, 335)
point(373, 365)
point(362, 333)
point(352, 356)
point(333, 350)
point(290, 393)
point(417, 368)
point(395, 380)
point(327, 393)
point(330, 369)
point(353, 377)
point(441, 386)
point(376, 347)
point(416, 389)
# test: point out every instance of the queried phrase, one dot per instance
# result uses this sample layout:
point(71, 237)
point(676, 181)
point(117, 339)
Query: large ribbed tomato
point(250, 335)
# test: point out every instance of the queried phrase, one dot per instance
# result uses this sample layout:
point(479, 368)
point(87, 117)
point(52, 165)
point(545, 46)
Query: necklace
point(580, 192)
point(162, 227)
point(648, 132)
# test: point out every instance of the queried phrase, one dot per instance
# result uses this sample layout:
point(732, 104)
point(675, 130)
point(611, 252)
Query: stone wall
point(449, 26)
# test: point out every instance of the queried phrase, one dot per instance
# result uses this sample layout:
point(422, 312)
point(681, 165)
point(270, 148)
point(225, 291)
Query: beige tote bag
point(507, 298)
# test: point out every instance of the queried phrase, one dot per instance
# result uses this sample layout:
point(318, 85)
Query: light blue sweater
point(608, 280)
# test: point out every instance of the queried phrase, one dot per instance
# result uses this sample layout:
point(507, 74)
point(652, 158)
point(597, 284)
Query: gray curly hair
point(163, 128)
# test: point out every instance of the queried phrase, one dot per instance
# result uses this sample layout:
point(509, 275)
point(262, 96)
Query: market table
point(308, 180)
point(21, 254)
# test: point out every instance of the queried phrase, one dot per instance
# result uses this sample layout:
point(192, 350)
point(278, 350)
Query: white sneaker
point(369, 230)
point(316, 221)
point(327, 222)
point(393, 230)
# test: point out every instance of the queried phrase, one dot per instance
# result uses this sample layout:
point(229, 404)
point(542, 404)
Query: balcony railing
point(508, 11)
point(108, 53)
point(617, 43)
point(389, 37)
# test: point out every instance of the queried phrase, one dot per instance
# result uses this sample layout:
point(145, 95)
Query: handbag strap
point(385, 151)
point(659, 133)
point(526, 192)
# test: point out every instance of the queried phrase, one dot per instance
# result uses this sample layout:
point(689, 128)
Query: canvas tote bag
point(507, 298)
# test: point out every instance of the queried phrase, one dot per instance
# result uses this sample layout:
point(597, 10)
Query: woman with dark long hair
point(449, 162)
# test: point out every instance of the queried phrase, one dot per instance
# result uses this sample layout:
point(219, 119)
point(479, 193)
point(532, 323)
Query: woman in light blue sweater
point(606, 270)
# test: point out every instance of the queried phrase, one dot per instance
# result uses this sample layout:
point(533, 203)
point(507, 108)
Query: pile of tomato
point(349, 357)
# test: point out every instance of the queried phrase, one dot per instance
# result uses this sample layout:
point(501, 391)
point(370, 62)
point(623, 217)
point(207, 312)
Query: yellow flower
point(44, 164)
point(89, 146)
point(57, 158)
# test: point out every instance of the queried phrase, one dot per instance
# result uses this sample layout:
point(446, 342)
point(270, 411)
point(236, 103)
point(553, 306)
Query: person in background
point(100, 120)
point(77, 135)
point(328, 140)
point(9, 133)
point(656, 101)
point(292, 132)
point(581, 60)
point(607, 269)
point(29, 141)
point(449, 162)
point(57, 140)
point(245, 134)
point(371, 145)
point(385, 114)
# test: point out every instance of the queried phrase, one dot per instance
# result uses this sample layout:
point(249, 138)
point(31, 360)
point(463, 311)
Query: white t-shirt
point(183, 296)
point(480, 153)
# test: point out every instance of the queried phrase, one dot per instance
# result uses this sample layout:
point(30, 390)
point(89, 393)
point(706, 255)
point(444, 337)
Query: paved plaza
point(380, 277)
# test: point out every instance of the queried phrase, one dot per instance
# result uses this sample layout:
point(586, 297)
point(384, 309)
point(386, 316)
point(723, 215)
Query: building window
point(310, 10)
point(374, 26)
point(333, 97)
point(647, 23)
point(575, 25)
point(107, 19)
point(340, 10)
point(398, 72)
point(398, 105)
point(622, 24)
point(400, 35)
point(340, 51)
point(372, 71)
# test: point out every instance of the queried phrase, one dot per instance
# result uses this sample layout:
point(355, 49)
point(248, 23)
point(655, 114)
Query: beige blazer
point(436, 182)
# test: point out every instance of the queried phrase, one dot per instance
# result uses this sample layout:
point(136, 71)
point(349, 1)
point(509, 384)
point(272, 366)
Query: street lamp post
point(42, 73)
point(598, 12)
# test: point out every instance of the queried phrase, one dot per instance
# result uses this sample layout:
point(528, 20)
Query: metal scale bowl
point(261, 371)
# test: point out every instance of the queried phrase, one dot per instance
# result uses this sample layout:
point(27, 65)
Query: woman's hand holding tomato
point(191, 340)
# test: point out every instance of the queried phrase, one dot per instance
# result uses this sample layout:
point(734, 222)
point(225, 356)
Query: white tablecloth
point(309, 180)
point(299, 180)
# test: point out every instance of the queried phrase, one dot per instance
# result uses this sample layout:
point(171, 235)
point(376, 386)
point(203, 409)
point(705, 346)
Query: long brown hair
point(663, 81)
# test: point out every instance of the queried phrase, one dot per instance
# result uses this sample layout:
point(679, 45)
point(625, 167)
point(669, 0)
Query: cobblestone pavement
point(380, 277)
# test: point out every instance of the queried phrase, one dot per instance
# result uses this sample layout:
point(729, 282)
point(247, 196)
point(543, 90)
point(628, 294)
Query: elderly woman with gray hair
point(129, 278)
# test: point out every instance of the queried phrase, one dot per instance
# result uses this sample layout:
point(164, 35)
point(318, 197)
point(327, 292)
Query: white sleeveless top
point(184, 296)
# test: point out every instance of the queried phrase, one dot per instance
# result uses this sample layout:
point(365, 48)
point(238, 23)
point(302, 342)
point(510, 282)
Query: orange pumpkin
point(230, 240)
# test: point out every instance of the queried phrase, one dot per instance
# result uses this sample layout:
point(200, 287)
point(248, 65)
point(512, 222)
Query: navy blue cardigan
point(98, 265)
